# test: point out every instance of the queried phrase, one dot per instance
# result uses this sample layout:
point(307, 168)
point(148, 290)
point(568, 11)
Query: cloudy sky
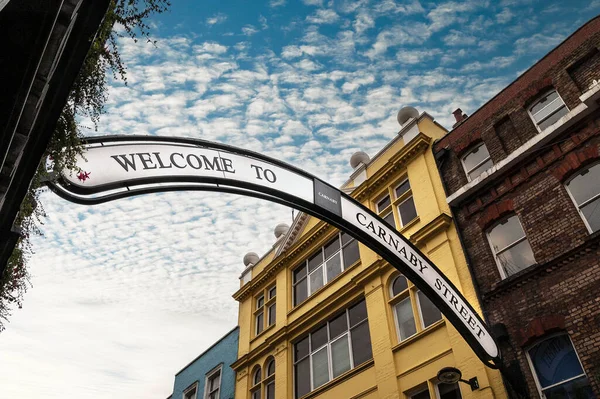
point(126, 293)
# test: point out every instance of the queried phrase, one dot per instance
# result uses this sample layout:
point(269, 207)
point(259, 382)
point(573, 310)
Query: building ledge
point(338, 380)
point(589, 102)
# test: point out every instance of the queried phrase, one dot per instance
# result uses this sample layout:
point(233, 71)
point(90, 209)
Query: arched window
point(557, 369)
point(409, 305)
point(256, 378)
point(584, 189)
point(510, 246)
point(270, 379)
point(547, 110)
point(476, 161)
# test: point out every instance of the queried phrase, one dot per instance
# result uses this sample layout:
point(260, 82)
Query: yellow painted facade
point(400, 366)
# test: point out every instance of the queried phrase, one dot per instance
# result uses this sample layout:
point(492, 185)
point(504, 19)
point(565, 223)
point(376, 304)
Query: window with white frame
point(584, 189)
point(557, 369)
point(547, 110)
point(510, 246)
point(476, 161)
point(413, 311)
point(255, 390)
point(398, 199)
point(265, 303)
point(332, 349)
point(323, 266)
point(191, 391)
point(440, 391)
point(212, 384)
point(270, 379)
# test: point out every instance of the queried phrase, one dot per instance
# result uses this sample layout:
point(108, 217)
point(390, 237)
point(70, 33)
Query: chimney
point(459, 116)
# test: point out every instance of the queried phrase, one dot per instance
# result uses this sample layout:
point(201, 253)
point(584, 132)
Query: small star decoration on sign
point(83, 176)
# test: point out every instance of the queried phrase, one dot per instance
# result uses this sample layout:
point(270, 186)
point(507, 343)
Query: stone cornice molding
point(438, 224)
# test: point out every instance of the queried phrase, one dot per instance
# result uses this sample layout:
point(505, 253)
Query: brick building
point(522, 177)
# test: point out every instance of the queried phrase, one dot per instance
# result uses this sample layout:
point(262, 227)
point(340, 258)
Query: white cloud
point(457, 38)
point(323, 16)
point(494, 63)
point(398, 35)
point(249, 30)
point(216, 19)
point(313, 2)
point(538, 43)
point(504, 16)
point(276, 3)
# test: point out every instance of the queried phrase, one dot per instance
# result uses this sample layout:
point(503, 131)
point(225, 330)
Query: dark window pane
point(332, 247)
point(272, 292)
point(260, 301)
point(429, 312)
point(407, 211)
point(402, 188)
point(579, 389)
point(383, 203)
point(302, 378)
point(271, 391)
point(421, 395)
point(357, 313)
point(271, 368)
point(259, 323)
point(555, 360)
point(346, 238)
point(314, 261)
point(449, 391)
point(300, 292)
point(318, 338)
point(361, 344)
point(390, 219)
point(351, 254)
point(338, 326)
point(256, 394)
point(400, 284)
point(257, 376)
point(299, 273)
point(272, 314)
point(301, 349)
point(334, 267)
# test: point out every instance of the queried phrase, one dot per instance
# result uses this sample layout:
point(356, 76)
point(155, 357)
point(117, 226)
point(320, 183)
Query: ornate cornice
point(437, 225)
point(417, 146)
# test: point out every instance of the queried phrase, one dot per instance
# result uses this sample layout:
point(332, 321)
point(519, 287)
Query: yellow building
point(323, 316)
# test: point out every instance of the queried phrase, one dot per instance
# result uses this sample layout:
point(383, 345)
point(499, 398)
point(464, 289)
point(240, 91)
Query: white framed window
point(557, 369)
point(584, 190)
point(448, 391)
point(270, 379)
point(332, 349)
point(413, 311)
point(476, 161)
point(259, 314)
point(323, 266)
point(191, 392)
point(397, 199)
point(255, 391)
point(547, 110)
point(212, 384)
point(265, 309)
point(510, 246)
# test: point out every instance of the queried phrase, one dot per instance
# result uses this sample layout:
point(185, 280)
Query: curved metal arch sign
point(120, 166)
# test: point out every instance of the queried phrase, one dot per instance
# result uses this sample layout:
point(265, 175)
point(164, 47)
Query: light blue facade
point(223, 352)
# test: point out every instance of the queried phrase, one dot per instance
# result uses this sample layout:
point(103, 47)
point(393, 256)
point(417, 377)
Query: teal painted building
point(210, 376)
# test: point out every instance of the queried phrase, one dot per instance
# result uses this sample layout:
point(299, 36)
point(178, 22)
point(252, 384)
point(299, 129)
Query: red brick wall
point(562, 291)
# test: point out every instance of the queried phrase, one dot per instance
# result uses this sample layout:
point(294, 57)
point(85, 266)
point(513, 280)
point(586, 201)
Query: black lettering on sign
point(146, 160)
point(175, 163)
point(125, 162)
point(212, 166)
point(160, 162)
point(227, 165)
point(268, 174)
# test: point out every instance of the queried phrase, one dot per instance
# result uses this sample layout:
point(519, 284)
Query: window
point(510, 246)
point(442, 391)
point(332, 349)
point(255, 391)
point(270, 380)
point(191, 391)
point(324, 265)
point(261, 305)
point(476, 161)
point(409, 305)
point(548, 110)
point(584, 190)
point(403, 203)
point(212, 384)
point(557, 369)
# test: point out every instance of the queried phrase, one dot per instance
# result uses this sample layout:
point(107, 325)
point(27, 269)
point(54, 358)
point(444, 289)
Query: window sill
point(301, 305)
point(409, 225)
point(262, 333)
point(435, 326)
point(339, 379)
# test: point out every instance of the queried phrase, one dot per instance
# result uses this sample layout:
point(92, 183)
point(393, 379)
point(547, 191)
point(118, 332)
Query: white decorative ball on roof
point(250, 258)
point(406, 114)
point(359, 157)
point(280, 230)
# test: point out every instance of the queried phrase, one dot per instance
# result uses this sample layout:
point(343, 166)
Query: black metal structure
point(324, 202)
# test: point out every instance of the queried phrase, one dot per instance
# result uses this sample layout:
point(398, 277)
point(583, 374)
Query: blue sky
point(126, 293)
